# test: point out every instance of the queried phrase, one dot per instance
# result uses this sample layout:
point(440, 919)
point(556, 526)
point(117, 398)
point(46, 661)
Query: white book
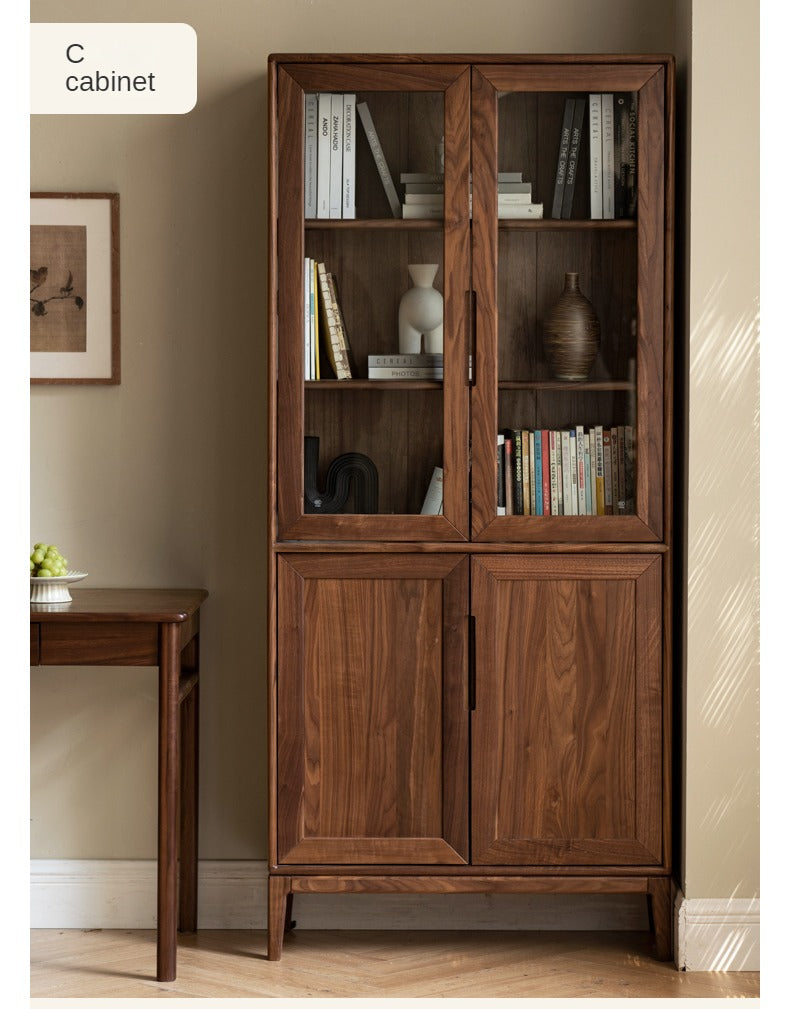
point(378, 156)
point(532, 503)
point(513, 199)
point(431, 199)
point(567, 487)
point(423, 187)
point(574, 465)
point(555, 475)
point(405, 360)
point(434, 497)
point(310, 155)
point(607, 154)
point(314, 319)
point(421, 211)
point(324, 118)
point(336, 157)
point(588, 472)
point(501, 509)
point(596, 173)
point(519, 211)
point(349, 156)
point(308, 374)
point(419, 374)
point(581, 479)
point(514, 187)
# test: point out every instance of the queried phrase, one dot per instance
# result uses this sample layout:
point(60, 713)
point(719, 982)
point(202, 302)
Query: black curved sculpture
point(348, 467)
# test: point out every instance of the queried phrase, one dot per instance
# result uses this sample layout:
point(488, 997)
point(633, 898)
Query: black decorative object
point(342, 470)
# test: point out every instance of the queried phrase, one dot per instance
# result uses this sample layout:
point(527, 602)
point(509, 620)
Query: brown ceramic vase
point(571, 333)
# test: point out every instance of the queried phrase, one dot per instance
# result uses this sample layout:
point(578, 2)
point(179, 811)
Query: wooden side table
point(146, 627)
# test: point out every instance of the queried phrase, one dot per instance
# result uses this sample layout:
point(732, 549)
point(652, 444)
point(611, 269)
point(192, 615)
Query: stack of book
point(571, 472)
point(329, 156)
point(323, 319)
point(406, 366)
point(424, 196)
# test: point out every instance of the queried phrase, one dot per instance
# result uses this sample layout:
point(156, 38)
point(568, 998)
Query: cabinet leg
point(188, 863)
point(167, 855)
point(279, 910)
point(659, 894)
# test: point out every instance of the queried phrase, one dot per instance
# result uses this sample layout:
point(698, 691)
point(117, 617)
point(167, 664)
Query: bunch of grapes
point(46, 562)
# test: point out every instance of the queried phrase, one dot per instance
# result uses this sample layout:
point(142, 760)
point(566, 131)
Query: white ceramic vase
point(421, 312)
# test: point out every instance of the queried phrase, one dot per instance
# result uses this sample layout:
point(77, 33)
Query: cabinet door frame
point(654, 273)
point(647, 749)
point(287, 243)
point(289, 776)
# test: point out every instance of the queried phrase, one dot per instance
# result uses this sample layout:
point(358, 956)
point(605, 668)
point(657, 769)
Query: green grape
point(37, 556)
point(43, 573)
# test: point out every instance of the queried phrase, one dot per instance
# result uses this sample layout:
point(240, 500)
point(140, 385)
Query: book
point(600, 496)
point(520, 211)
point(554, 486)
point(422, 177)
point(515, 199)
point(417, 188)
point(336, 157)
point(630, 504)
point(581, 479)
point(434, 496)
point(574, 481)
point(525, 475)
point(334, 340)
point(532, 483)
point(345, 348)
point(622, 507)
point(405, 360)
point(537, 446)
point(500, 475)
point(308, 367)
point(567, 488)
point(509, 188)
point(589, 508)
point(518, 475)
point(378, 157)
point(314, 313)
point(310, 155)
point(509, 476)
point(573, 159)
point(349, 206)
point(596, 172)
point(562, 158)
point(607, 470)
point(421, 374)
point(613, 438)
point(428, 199)
point(422, 211)
point(607, 154)
point(322, 186)
point(546, 468)
point(621, 105)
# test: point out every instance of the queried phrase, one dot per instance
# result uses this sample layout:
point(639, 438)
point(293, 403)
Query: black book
point(573, 158)
point(630, 142)
point(562, 159)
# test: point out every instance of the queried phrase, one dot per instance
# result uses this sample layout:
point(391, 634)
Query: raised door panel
point(372, 709)
point(567, 730)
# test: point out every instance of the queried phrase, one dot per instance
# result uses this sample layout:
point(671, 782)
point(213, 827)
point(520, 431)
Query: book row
point(329, 155)
point(568, 472)
point(323, 319)
point(424, 196)
point(612, 144)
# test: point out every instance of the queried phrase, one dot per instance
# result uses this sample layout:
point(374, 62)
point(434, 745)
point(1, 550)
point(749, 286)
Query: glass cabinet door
point(372, 381)
point(568, 219)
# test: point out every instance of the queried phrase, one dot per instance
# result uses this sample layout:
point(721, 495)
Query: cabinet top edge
point(486, 58)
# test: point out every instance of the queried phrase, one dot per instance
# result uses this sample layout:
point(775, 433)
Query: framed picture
point(75, 328)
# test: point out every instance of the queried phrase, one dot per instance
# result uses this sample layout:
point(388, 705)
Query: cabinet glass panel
point(567, 305)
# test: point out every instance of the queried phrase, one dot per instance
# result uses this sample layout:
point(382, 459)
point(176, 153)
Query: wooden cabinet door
point(372, 709)
point(567, 729)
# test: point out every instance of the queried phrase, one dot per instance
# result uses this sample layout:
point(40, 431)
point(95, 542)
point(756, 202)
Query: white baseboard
point(717, 934)
point(232, 894)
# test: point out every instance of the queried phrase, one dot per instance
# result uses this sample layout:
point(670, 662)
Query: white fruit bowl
point(54, 590)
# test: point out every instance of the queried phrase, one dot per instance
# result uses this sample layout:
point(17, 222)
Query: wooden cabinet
point(475, 699)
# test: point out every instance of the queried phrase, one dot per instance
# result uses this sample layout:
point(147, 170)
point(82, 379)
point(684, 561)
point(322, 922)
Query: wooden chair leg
point(279, 893)
point(659, 893)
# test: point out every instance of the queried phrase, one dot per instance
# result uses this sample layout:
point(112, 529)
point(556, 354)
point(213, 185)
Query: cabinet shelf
point(374, 224)
point(549, 224)
point(613, 386)
point(357, 384)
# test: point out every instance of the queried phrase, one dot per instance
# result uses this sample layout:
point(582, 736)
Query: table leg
point(167, 866)
point(188, 845)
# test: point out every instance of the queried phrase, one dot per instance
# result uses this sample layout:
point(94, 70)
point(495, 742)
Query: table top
point(138, 605)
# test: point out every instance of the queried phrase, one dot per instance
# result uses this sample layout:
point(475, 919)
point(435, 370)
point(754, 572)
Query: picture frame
point(75, 330)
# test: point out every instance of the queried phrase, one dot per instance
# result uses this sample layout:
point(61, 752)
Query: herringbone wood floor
point(231, 964)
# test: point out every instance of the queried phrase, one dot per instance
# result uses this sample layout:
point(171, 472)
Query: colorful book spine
point(607, 471)
point(525, 474)
point(310, 155)
point(630, 504)
point(596, 173)
point(600, 497)
point(537, 443)
point(581, 480)
point(518, 475)
point(349, 210)
point(614, 434)
point(588, 473)
point(574, 468)
point(544, 449)
point(565, 482)
point(555, 487)
point(532, 476)
point(622, 503)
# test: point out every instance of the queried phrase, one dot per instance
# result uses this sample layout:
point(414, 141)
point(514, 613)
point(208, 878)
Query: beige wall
point(161, 480)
